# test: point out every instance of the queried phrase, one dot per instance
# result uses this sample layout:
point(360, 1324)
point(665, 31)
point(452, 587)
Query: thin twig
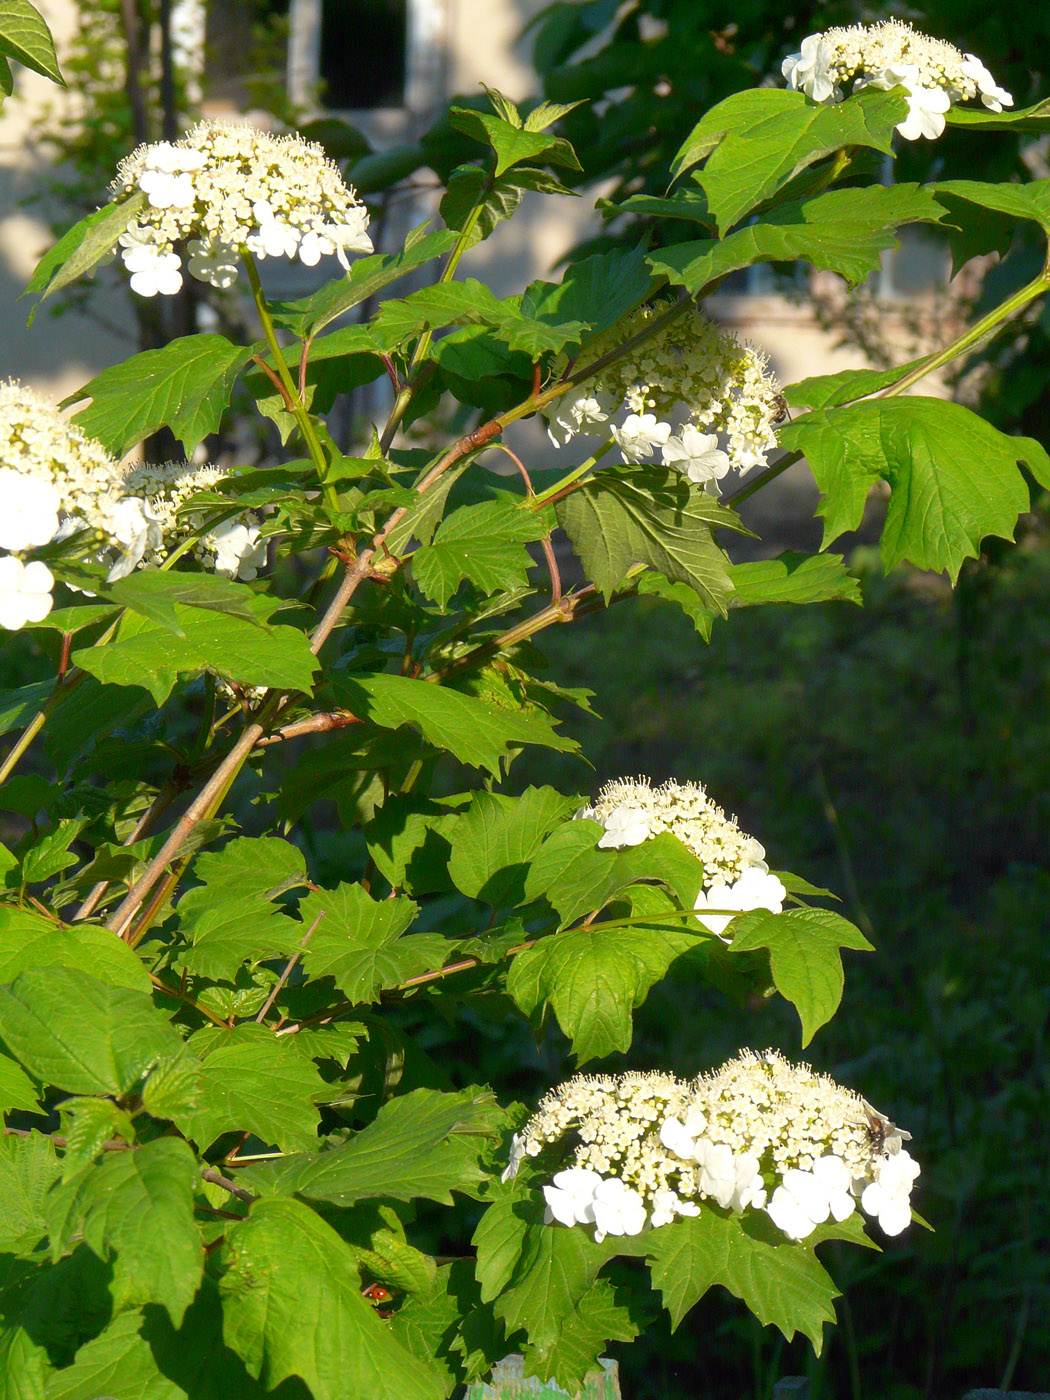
point(288, 968)
point(217, 1178)
point(314, 724)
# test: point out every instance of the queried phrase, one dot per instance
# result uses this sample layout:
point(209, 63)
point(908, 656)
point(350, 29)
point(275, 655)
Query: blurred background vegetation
point(898, 754)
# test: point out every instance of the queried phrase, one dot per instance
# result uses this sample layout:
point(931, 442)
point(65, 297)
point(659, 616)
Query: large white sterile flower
point(25, 592)
point(134, 529)
point(153, 273)
point(172, 159)
point(680, 1135)
point(888, 1196)
point(626, 826)
point(808, 70)
point(570, 1200)
point(239, 553)
point(274, 238)
point(347, 237)
point(732, 1179)
point(215, 263)
point(696, 455)
point(167, 191)
point(993, 96)
point(29, 507)
point(584, 416)
point(640, 433)
point(755, 889)
point(517, 1156)
point(616, 1209)
point(926, 109)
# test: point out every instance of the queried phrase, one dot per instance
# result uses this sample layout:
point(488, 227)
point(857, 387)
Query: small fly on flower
point(883, 1135)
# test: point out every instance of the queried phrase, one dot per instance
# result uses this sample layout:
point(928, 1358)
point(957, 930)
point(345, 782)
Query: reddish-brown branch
point(274, 378)
point(313, 724)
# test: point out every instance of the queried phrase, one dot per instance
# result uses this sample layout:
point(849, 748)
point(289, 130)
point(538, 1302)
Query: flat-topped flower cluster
point(724, 387)
point(736, 876)
point(225, 188)
point(890, 54)
point(761, 1133)
point(164, 493)
point(56, 481)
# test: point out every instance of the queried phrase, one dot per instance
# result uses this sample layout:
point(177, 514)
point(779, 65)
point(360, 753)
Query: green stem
point(404, 398)
point(977, 333)
point(291, 389)
point(763, 478)
point(538, 501)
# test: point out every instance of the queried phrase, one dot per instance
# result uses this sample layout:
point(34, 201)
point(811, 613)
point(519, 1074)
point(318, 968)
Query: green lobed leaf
point(597, 1320)
point(494, 842)
point(648, 515)
point(154, 594)
point(147, 654)
point(1032, 119)
point(136, 1207)
point(225, 932)
point(469, 186)
point(484, 543)
point(25, 36)
point(186, 386)
point(954, 478)
point(782, 1282)
point(555, 1270)
point(16, 1088)
point(17, 707)
point(83, 247)
point(253, 1081)
point(831, 390)
point(804, 957)
point(88, 1124)
point(843, 231)
point(28, 1167)
point(475, 731)
point(757, 140)
point(793, 578)
point(595, 291)
point(362, 942)
point(308, 1318)
point(408, 839)
point(69, 1029)
point(421, 1144)
point(512, 145)
point(118, 1364)
point(464, 304)
point(593, 978)
point(23, 1363)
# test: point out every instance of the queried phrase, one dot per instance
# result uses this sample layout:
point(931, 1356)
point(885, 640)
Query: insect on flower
point(883, 1135)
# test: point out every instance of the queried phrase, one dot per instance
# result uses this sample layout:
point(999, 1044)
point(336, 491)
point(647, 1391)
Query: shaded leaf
point(954, 478)
point(292, 1306)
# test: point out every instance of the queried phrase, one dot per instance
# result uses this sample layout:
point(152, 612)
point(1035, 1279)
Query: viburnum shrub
point(229, 1160)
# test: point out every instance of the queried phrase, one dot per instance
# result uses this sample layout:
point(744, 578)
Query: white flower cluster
point(725, 387)
point(53, 479)
point(736, 876)
point(761, 1133)
point(160, 516)
point(890, 54)
point(228, 187)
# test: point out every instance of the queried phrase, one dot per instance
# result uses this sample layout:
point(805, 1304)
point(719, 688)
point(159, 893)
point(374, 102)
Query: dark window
point(246, 50)
point(363, 53)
